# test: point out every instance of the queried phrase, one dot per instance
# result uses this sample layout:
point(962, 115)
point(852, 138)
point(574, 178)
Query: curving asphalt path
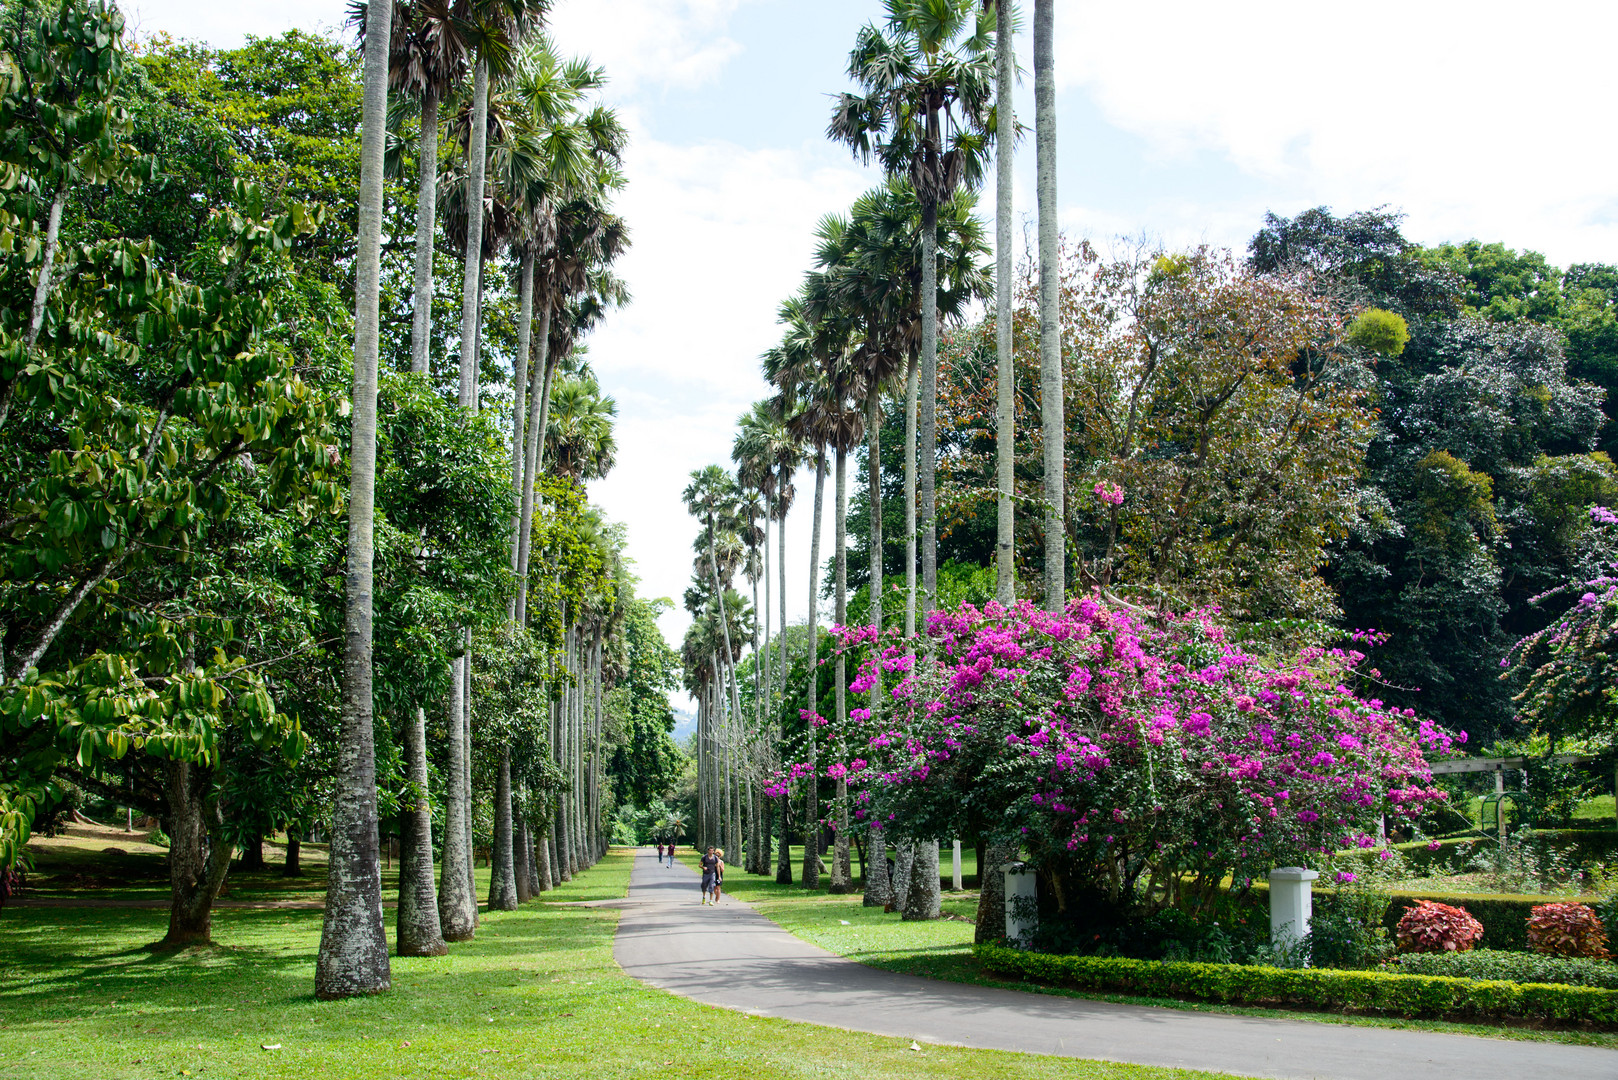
point(733, 957)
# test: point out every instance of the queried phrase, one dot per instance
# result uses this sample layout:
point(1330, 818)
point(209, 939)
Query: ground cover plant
point(537, 995)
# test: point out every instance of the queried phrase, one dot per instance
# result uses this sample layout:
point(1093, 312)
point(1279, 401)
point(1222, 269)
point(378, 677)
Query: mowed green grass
point(942, 949)
point(536, 994)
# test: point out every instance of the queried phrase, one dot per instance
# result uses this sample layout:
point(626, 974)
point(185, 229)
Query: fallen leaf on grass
point(913, 1046)
point(270, 1046)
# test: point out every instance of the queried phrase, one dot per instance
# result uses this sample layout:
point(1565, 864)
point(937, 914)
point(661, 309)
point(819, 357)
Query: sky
point(1180, 122)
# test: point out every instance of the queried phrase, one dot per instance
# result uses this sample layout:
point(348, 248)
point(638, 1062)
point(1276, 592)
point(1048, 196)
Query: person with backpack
point(710, 874)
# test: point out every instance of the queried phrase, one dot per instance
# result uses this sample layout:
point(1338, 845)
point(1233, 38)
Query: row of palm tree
point(934, 101)
point(529, 180)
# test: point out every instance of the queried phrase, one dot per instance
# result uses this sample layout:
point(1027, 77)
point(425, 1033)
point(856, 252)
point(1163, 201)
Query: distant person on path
point(660, 851)
point(710, 873)
point(718, 874)
point(671, 853)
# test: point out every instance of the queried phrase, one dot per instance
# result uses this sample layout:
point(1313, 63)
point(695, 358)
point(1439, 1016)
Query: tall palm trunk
point(781, 566)
point(353, 956)
point(532, 453)
point(421, 313)
point(811, 819)
point(559, 749)
point(466, 774)
point(1005, 136)
point(519, 414)
point(839, 860)
point(928, 391)
point(878, 890)
point(911, 389)
point(457, 906)
point(1052, 425)
point(419, 933)
point(546, 879)
point(783, 854)
point(521, 859)
point(502, 861)
point(476, 163)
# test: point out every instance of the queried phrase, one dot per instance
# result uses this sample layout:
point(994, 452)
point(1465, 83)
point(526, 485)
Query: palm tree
point(926, 113)
point(1052, 425)
point(353, 957)
point(1005, 135)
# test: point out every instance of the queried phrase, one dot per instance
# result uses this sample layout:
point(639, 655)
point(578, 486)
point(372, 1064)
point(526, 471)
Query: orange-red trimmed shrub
point(1435, 927)
point(1567, 930)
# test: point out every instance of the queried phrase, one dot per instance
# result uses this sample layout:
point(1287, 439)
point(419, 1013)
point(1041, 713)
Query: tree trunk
point(199, 857)
point(839, 861)
point(519, 413)
point(911, 390)
point(353, 956)
point(923, 900)
point(878, 889)
point(1005, 141)
point(457, 908)
point(293, 867)
point(928, 392)
point(558, 724)
point(421, 315)
point(520, 863)
point(811, 820)
point(476, 163)
point(532, 456)
point(782, 483)
point(466, 776)
point(1052, 425)
point(418, 932)
point(783, 857)
point(544, 881)
point(904, 854)
point(47, 269)
point(502, 860)
point(991, 918)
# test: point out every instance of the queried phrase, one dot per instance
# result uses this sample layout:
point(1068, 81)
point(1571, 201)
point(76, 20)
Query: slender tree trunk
point(418, 931)
point(476, 163)
point(502, 860)
point(545, 878)
point(839, 866)
point(537, 405)
point(1052, 424)
point(911, 390)
point(559, 725)
point(457, 909)
point(878, 890)
point(353, 957)
point(991, 919)
point(466, 775)
point(599, 847)
point(928, 391)
point(783, 856)
point(1005, 139)
point(520, 862)
point(421, 315)
point(811, 820)
point(904, 856)
point(784, 480)
point(519, 413)
point(199, 856)
point(47, 266)
point(922, 900)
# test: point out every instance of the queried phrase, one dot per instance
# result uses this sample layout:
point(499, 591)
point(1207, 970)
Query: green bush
point(1313, 988)
point(1513, 967)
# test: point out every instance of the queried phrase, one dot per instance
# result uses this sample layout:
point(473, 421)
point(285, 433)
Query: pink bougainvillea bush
point(1567, 930)
point(1435, 927)
point(1149, 758)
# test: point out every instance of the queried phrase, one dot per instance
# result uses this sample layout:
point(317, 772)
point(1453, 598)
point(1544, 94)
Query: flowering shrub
point(1146, 761)
point(1567, 930)
point(1435, 927)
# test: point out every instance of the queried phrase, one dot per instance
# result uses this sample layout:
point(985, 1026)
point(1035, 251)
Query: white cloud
point(647, 43)
point(226, 25)
point(722, 234)
point(1485, 120)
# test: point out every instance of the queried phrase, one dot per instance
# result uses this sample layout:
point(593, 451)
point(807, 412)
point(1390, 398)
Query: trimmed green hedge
point(1513, 966)
point(1367, 991)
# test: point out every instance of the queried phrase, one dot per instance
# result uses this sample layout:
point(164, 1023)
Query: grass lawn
point(942, 949)
point(537, 994)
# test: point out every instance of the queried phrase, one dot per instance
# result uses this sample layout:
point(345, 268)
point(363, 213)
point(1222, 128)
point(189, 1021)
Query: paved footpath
point(735, 958)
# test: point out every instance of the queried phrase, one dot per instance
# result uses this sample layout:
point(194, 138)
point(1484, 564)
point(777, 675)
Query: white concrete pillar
point(1021, 918)
point(957, 865)
point(1291, 903)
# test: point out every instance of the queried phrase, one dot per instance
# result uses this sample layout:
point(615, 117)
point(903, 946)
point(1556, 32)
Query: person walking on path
point(710, 873)
point(671, 853)
point(660, 851)
point(718, 873)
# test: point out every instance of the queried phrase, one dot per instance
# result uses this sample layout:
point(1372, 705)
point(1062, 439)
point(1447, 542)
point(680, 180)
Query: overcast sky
point(1182, 121)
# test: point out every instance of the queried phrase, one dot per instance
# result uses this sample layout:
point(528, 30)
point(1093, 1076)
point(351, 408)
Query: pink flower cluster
point(1199, 758)
point(1109, 493)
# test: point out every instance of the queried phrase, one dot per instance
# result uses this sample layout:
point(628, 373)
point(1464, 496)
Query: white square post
point(957, 865)
point(1291, 904)
point(1021, 918)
